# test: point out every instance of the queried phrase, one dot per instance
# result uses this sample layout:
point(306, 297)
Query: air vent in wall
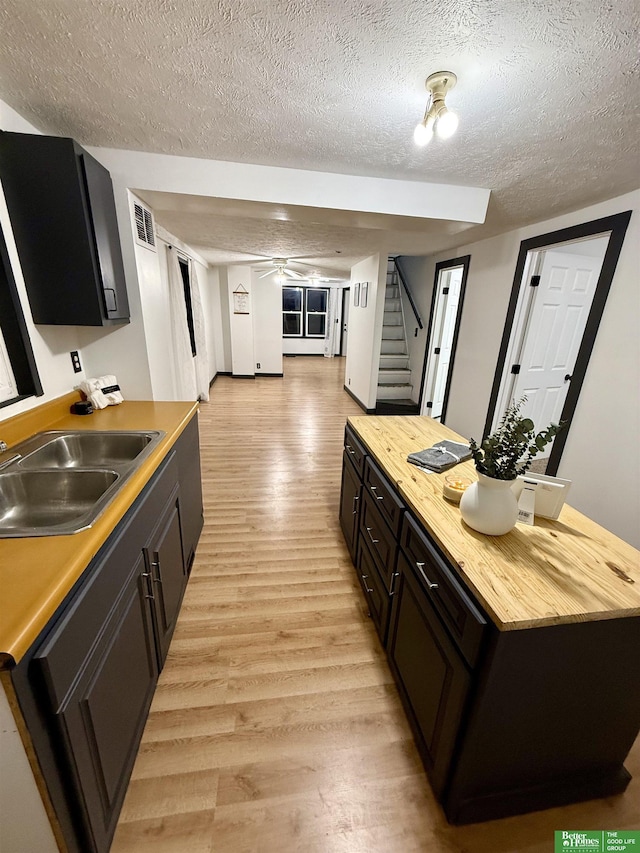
point(144, 226)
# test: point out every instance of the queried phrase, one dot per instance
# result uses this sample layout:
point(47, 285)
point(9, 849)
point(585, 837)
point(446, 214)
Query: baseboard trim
point(243, 376)
point(303, 355)
point(538, 797)
point(359, 402)
point(277, 375)
point(219, 373)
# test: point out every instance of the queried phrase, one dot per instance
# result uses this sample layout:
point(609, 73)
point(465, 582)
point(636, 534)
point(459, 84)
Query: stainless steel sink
point(59, 482)
point(48, 502)
point(88, 450)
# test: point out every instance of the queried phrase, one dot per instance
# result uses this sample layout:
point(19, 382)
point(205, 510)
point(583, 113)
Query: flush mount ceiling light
point(437, 116)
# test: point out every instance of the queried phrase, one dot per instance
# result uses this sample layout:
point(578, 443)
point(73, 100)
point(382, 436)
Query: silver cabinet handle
point(374, 541)
point(156, 578)
point(364, 580)
point(430, 584)
point(355, 501)
point(350, 450)
point(392, 585)
point(149, 592)
point(377, 497)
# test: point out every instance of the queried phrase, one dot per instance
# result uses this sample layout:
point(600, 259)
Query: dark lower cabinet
point(350, 496)
point(86, 685)
point(165, 574)
point(374, 589)
point(429, 671)
point(506, 721)
point(191, 518)
point(100, 720)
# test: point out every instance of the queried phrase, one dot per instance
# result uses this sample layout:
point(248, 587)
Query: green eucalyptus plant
point(509, 451)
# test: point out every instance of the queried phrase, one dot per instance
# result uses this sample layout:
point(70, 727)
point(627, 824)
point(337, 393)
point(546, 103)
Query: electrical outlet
point(258, 365)
point(75, 361)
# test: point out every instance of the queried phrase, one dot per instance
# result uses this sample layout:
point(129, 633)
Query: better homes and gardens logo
point(598, 841)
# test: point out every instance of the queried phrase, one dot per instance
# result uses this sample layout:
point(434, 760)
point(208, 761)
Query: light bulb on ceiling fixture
point(447, 124)
point(437, 117)
point(280, 277)
point(423, 134)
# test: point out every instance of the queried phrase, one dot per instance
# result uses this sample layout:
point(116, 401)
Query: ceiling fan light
point(447, 124)
point(423, 133)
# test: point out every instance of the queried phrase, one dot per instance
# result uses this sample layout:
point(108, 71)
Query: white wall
point(267, 323)
point(365, 330)
point(169, 173)
point(219, 281)
point(605, 484)
point(210, 295)
point(303, 346)
point(24, 825)
point(243, 362)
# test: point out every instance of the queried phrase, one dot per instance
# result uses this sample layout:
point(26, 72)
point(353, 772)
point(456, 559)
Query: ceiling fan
point(281, 270)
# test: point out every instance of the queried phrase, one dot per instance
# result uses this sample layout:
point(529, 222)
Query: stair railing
point(403, 281)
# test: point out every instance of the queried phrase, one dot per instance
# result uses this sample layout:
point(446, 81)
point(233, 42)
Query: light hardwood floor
point(276, 727)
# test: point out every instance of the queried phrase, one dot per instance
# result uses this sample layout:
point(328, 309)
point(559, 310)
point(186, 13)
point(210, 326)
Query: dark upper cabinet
point(62, 211)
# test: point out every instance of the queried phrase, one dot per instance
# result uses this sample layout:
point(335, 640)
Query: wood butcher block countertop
point(37, 573)
point(569, 570)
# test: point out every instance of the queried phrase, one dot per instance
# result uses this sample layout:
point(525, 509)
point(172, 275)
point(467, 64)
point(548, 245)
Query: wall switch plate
point(75, 361)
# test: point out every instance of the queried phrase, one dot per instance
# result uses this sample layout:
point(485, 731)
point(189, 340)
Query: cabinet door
point(381, 541)
point(62, 211)
point(378, 599)
point(350, 495)
point(167, 578)
point(431, 674)
point(107, 240)
point(187, 449)
point(102, 717)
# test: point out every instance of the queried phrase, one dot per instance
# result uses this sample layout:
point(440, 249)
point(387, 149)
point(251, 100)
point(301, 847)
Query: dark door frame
point(617, 225)
point(463, 262)
point(345, 297)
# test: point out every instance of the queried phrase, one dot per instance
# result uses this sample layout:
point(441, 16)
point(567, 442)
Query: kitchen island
point(517, 657)
point(85, 624)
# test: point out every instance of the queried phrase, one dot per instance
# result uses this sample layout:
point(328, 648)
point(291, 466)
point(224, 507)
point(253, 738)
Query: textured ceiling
point(547, 91)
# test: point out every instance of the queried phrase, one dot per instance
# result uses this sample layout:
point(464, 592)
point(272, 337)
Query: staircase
point(394, 377)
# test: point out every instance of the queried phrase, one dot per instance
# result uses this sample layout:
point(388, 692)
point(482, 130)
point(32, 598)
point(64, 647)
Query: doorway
point(560, 287)
point(442, 335)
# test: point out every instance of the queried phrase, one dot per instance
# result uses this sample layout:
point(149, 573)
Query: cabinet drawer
point(461, 616)
point(381, 542)
point(374, 589)
point(354, 449)
point(387, 502)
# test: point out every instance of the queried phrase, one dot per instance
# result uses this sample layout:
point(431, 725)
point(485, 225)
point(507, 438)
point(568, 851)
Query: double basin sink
point(59, 482)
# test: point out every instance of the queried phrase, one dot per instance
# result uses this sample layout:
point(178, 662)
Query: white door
point(553, 334)
point(441, 342)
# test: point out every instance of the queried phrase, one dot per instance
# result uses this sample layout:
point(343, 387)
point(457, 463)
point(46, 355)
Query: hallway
point(276, 726)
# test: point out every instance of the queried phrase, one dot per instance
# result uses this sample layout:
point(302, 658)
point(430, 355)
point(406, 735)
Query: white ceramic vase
point(489, 506)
